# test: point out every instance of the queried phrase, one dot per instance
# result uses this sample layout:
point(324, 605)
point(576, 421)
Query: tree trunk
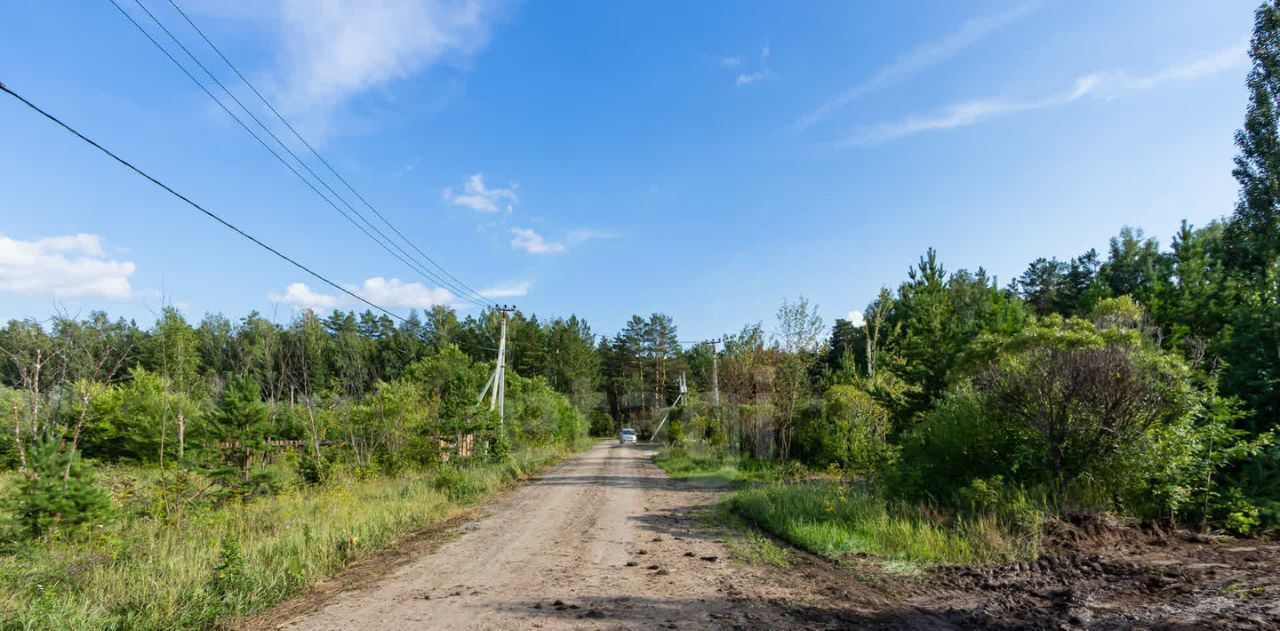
point(17, 438)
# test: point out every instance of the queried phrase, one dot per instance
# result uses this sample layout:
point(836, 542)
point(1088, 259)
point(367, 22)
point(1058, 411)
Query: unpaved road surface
point(604, 540)
point(607, 541)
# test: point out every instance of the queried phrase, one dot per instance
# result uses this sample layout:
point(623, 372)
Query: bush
point(314, 470)
point(850, 431)
point(958, 441)
point(44, 502)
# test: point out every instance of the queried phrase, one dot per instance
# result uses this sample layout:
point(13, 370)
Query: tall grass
point(836, 520)
point(713, 463)
point(143, 573)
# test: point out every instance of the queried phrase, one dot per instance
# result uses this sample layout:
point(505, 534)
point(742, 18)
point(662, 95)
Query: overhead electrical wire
point(381, 239)
point(313, 150)
point(198, 207)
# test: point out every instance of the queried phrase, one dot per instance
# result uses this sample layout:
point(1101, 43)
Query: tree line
point(1145, 380)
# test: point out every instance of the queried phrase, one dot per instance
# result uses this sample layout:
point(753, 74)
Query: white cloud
point(386, 292)
point(302, 296)
point(530, 241)
point(1104, 84)
point(480, 198)
point(1225, 59)
point(731, 62)
point(968, 113)
point(856, 318)
point(924, 56)
point(72, 266)
point(336, 49)
point(393, 292)
point(507, 291)
point(748, 78)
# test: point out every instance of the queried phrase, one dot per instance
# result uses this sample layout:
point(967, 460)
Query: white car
point(627, 435)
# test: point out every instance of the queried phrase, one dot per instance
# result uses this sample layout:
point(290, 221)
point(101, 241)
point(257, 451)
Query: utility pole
point(684, 389)
point(715, 376)
point(498, 380)
point(715, 382)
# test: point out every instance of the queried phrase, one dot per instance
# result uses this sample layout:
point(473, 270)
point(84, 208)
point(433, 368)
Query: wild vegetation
point(175, 475)
point(1144, 383)
point(182, 475)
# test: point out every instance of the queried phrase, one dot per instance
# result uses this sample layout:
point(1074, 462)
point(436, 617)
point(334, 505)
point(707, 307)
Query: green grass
point(140, 572)
point(713, 464)
point(837, 520)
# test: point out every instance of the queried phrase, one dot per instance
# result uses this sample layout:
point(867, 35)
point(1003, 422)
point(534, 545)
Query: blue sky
point(703, 159)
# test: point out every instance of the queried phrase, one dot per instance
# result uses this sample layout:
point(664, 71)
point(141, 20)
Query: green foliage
point(224, 561)
point(228, 577)
point(241, 426)
point(837, 520)
point(58, 494)
point(313, 469)
point(850, 432)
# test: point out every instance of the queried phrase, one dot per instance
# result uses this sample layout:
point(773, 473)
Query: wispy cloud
point(528, 240)
point(480, 198)
point(1231, 57)
point(731, 62)
point(748, 78)
point(387, 292)
point(968, 113)
point(531, 241)
point(923, 56)
point(337, 48)
point(513, 290)
point(1104, 84)
point(71, 266)
point(582, 235)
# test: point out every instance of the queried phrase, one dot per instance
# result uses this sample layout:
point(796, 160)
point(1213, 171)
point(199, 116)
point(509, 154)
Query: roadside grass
point(838, 520)
point(208, 565)
point(707, 463)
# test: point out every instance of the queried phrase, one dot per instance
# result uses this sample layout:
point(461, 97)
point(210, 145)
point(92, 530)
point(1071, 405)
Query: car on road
point(627, 435)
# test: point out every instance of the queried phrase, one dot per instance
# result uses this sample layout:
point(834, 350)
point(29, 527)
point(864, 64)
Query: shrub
point(228, 576)
point(314, 469)
point(849, 431)
point(59, 493)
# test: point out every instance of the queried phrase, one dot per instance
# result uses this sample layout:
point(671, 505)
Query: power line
point(313, 150)
point(198, 207)
point(415, 265)
point(401, 256)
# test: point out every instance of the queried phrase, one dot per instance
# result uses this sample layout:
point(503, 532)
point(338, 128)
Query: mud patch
point(1098, 575)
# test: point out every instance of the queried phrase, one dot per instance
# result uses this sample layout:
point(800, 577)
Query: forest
point(1139, 380)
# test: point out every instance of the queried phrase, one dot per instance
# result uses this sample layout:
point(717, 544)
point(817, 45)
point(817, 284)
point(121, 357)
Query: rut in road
point(605, 540)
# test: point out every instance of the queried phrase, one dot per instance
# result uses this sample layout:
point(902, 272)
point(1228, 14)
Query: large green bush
point(849, 430)
point(1085, 414)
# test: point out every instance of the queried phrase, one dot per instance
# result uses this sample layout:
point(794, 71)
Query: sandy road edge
point(374, 566)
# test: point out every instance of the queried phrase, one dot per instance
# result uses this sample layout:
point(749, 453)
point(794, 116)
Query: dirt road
point(604, 540)
point(607, 541)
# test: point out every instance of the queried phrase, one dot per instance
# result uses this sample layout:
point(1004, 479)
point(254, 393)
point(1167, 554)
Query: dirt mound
point(1098, 574)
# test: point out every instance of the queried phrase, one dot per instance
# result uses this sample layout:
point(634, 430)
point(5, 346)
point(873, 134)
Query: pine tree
point(242, 426)
point(1255, 226)
point(60, 491)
